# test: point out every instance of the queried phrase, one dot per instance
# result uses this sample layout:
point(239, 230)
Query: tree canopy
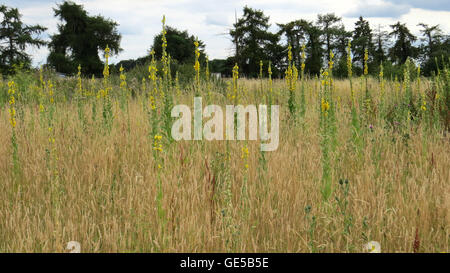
point(80, 39)
point(254, 43)
point(15, 36)
point(180, 45)
point(403, 47)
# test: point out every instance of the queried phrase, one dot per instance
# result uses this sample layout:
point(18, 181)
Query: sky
point(140, 20)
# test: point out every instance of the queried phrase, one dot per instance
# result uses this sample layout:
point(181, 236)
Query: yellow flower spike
point(366, 58)
point(290, 53)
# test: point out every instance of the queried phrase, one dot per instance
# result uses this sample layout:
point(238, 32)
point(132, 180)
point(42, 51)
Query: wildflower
point(244, 156)
point(244, 152)
point(418, 76)
point(330, 62)
point(12, 102)
point(234, 94)
point(349, 59)
point(122, 78)
point(106, 68)
point(366, 58)
point(197, 64)
point(303, 57)
point(152, 102)
point(325, 106)
point(206, 69)
point(290, 53)
point(50, 91)
point(157, 146)
point(424, 103)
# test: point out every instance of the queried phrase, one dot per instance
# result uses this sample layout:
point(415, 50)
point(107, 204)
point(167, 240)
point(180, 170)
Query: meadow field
point(92, 160)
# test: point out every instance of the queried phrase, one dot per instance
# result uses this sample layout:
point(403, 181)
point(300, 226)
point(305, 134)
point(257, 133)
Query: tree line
point(81, 38)
point(254, 42)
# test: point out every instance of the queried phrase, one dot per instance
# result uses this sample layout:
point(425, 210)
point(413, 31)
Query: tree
point(15, 36)
point(362, 40)
point(381, 38)
point(341, 43)
point(433, 36)
point(302, 31)
point(403, 47)
point(329, 30)
point(313, 50)
point(342, 37)
point(435, 50)
point(80, 39)
point(180, 45)
point(254, 42)
point(295, 33)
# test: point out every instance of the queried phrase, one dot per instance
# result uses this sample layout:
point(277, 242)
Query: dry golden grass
point(106, 191)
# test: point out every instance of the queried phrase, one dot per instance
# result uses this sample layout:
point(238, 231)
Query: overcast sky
point(140, 20)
